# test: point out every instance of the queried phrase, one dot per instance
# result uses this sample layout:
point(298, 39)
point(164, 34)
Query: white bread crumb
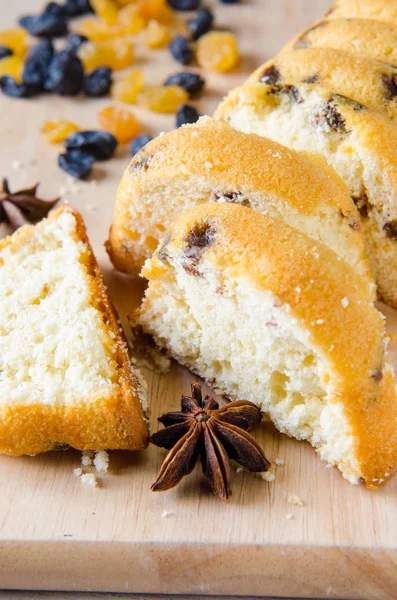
point(101, 461)
point(269, 477)
point(289, 516)
point(86, 458)
point(89, 479)
point(239, 470)
point(77, 472)
point(278, 462)
point(294, 499)
point(166, 513)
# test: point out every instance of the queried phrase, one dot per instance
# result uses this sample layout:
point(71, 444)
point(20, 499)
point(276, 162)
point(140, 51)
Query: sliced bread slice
point(380, 10)
point(266, 314)
point(65, 373)
point(211, 162)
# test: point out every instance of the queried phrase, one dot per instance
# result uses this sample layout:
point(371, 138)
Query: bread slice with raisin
point(266, 314)
point(365, 37)
point(380, 10)
point(66, 377)
point(359, 143)
point(211, 162)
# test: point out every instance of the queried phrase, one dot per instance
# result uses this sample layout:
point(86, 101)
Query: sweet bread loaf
point(303, 343)
point(211, 162)
point(380, 10)
point(365, 37)
point(359, 143)
point(66, 377)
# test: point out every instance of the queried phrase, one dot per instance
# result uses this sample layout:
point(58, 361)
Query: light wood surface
point(58, 534)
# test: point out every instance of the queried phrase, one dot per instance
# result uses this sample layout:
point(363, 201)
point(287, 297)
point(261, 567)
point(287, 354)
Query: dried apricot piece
point(107, 10)
point(156, 35)
point(120, 122)
point(15, 39)
point(95, 30)
point(129, 20)
point(58, 131)
point(217, 51)
point(12, 65)
point(127, 88)
point(115, 54)
point(159, 10)
point(162, 99)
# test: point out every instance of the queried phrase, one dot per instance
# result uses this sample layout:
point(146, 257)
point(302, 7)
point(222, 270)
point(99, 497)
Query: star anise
point(22, 207)
point(215, 434)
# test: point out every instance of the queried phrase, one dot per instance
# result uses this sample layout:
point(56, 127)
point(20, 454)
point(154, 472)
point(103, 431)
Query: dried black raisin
point(139, 142)
point(184, 4)
point(198, 239)
point(201, 23)
point(390, 83)
point(142, 162)
point(181, 50)
point(186, 114)
point(312, 79)
point(74, 41)
point(4, 52)
point(35, 70)
point(390, 229)
point(99, 144)
point(330, 119)
point(231, 197)
point(362, 203)
point(54, 9)
point(65, 74)
point(75, 8)
point(230, 1)
point(10, 87)
point(98, 82)
point(346, 101)
point(44, 25)
point(77, 163)
point(191, 82)
point(270, 75)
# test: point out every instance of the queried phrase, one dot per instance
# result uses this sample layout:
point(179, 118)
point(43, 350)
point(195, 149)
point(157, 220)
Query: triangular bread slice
point(211, 162)
point(380, 10)
point(266, 314)
point(360, 144)
point(65, 373)
point(365, 37)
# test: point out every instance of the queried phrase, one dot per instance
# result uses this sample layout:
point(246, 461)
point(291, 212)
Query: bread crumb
point(387, 474)
point(166, 513)
point(289, 516)
point(86, 458)
point(101, 461)
point(269, 477)
point(89, 479)
point(345, 302)
point(239, 470)
point(294, 499)
point(278, 462)
point(78, 472)
point(16, 165)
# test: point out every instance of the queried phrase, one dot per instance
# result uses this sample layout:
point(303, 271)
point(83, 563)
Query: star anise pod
point(215, 434)
point(22, 207)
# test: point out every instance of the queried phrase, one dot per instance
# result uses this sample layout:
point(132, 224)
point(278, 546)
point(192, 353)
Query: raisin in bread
point(66, 377)
point(380, 10)
point(265, 314)
point(359, 143)
point(366, 37)
point(211, 162)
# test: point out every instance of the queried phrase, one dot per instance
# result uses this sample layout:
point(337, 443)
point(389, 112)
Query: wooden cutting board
point(58, 534)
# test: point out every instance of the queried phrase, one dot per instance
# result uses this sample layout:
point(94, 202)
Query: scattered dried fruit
point(159, 10)
point(76, 163)
point(127, 88)
point(74, 41)
point(181, 49)
point(4, 51)
point(12, 65)
point(162, 99)
point(120, 122)
point(139, 142)
point(191, 82)
point(98, 144)
point(46, 25)
point(15, 39)
point(58, 131)
point(130, 20)
point(115, 54)
point(22, 207)
point(98, 82)
point(10, 87)
point(156, 35)
point(186, 114)
point(35, 70)
point(201, 23)
point(76, 8)
point(65, 74)
point(217, 51)
point(107, 10)
point(184, 4)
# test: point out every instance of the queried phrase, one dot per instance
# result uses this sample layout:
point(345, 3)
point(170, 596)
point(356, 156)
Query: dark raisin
point(77, 163)
point(75, 8)
point(186, 114)
point(292, 92)
point(201, 23)
point(12, 88)
point(377, 375)
point(330, 119)
point(161, 252)
point(99, 144)
point(363, 205)
point(35, 70)
point(191, 82)
point(198, 239)
point(4, 52)
point(390, 229)
point(390, 83)
point(346, 101)
point(74, 41)
point(231, 197)
point(142, 162)
point(139, 142)
point(184, 4)
point(44, 25)
point(270, 76)
point(98, 82)
point(54, 9)
point(181, 50)
point(230, 1)
point(65, 74)
point(312, 79)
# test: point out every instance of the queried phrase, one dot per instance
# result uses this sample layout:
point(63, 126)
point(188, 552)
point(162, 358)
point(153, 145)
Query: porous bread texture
point(366, 37)
point(358, 143)
point(65, 374)
point(380, 10)
point(369, 82)
point(259, 310)
point(210, 161)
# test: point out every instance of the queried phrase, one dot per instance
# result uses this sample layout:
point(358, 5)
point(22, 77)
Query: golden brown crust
point(380, 10)
point(349, 338)
point(372, 39)
point(116, 422)
point(227, 161)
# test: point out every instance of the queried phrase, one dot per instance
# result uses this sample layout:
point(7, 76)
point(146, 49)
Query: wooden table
point(58, 534)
